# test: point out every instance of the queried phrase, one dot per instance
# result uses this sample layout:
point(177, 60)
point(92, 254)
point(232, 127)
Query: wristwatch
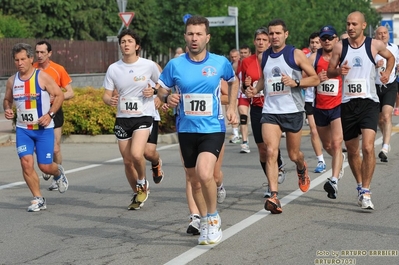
point(155, 90)
point(297, 81)
point(51, 114)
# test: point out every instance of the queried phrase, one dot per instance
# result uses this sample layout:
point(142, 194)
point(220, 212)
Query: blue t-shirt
point(199, 85)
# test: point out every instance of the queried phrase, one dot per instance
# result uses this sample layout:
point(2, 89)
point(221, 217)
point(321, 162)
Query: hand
point(323, 75)
point(248, 81)
point(384, 77)
point(157, 102)
point(287, 81)
point(113, 101)
point(44, 120)
point(344, 69)
point(231, 116)
point(173, 100)
point(250, 92)
point(9, 114)
point(148, 91)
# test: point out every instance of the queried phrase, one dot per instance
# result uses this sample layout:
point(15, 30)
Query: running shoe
point(331, 187)
point(37, 204)
point(320, 168)
point(53, 185)
point(304, 179)
point(245, 149)
point(281, 175)
point(396, 112)
point(383, 155)
point(194, 226)
point(203, 238)
point(46, 176)
point(135, 205)
point(273, 205)
point(235, 140)
point(214, 229)
point(364, 201)
point(221, 194)
point(267, 192)
point(342, 171)
point(157, 172)
point(62, 181)
point(143, 191)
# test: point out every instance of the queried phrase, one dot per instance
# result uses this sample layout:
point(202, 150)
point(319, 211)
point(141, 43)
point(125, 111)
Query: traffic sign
point(126, 17)
point(221, 21)
point(389, 25)
point(233, 11)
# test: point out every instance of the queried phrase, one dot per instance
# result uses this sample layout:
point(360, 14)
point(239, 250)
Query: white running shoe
point(203, 238)
point(214, 229)
point(235, 140)
point(62, 182)
point(221, 194)
point(364, 201)
point(53, 185)
point(38, 203)
point(245, 149)
point(342, 171)
point(46, 176)
point(281, 175)
point(194, 226)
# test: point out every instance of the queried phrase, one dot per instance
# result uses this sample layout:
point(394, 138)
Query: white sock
point(141, 181)
point(235, 131)
point(321, 158)
point(334, 179)
point(385, 146)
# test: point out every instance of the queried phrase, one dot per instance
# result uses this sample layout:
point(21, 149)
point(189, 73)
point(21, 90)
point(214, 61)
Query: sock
point(334, 179)
point(273, 192)
point(385, 146)
point(220, 187)
point(320, 158)
point(365, 190)
point(213, 214)
point(235, 131)
point(141, 181)
point(263, 164)
point(155, 165)
point(301, 171)
point(244, 142)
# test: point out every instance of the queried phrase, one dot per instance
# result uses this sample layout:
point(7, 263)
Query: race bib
point(28, 117)
point(198, 104)
point(355, 87)
point(131, 105)
point(329, 87)
point(275, 87)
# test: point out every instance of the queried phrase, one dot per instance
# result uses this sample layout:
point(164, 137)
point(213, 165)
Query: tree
point(11, 27)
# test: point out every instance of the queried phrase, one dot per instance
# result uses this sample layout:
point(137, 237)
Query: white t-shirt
point(129, 80)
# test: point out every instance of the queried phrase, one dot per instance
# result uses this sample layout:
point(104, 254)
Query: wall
point(93, 80)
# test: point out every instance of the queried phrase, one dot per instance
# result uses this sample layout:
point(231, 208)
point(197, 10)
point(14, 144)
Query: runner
point(354, 59)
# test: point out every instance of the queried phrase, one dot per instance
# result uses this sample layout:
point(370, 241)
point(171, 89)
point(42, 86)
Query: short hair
point(233, 50)
point(198, 20)
point(23, 47)
point(45, 43)
point(261, 31)
point(314, 35)
point(278, 22)
point(132, 34)
point(245, 46)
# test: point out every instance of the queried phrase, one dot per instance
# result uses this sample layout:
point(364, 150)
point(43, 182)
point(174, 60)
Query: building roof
point(392, 7)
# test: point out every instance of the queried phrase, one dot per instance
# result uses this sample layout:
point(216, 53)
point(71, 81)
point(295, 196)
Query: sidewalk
point(6, 130)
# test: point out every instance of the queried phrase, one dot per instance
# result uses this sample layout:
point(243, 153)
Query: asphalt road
point(90, 223)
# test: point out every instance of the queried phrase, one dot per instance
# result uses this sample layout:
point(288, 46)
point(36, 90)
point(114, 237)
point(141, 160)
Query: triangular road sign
point(126, 17)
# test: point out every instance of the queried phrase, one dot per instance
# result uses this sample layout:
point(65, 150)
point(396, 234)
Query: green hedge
point(86, 113)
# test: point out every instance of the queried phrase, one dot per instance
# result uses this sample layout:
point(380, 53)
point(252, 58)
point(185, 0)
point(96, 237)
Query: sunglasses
point(330, 38)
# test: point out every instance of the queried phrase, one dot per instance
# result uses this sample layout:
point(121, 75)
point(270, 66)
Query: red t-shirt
point(251, 67)
point(324, 101)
